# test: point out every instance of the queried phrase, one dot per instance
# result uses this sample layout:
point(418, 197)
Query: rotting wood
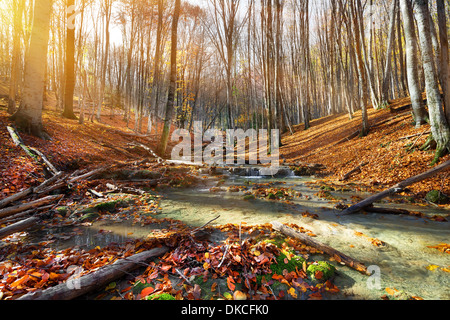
point(386, 210)
point(25, 206)
point(355, 170)
point(337, 255)
point(18, 226)
point(24, 193)
point(395, 189)
point(32, 152)
point(77, 287)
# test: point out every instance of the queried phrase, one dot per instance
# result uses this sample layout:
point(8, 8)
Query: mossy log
point(338, 256)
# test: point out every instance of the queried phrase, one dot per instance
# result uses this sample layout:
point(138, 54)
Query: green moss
point(276, 241)
point(62, 210)
point(91, 216)
point(326, 268)
point(107, 206)
point(281, 265)
point(139, 286)
point(271, 196)
point(162, 296)
point(435, 196)
point(249, 197)
point(327, 188)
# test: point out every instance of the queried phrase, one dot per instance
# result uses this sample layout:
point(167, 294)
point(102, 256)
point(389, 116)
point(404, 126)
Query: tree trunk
point(388, 65)
point(444, 56)
point(29, 115)
point(412, 63)
point(439, 125)
point(69, 66)
point(15, 65)
point(156, 72)
point(172, 84)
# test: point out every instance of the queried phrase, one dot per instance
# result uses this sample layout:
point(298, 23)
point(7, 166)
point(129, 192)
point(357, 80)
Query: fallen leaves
point(443, 247)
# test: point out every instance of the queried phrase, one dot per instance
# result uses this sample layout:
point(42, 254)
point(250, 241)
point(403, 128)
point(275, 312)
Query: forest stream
point(396, 247)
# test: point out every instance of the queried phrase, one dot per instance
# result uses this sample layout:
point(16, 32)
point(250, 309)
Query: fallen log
point(22, 194)
point(24, 214)
point(337, 255)
point(32, 152)
point(77, 287)
point(25, 206)
point(18, 227)
point(414, 135)
point(395, 189)
point(350, 173)
point(386, 211)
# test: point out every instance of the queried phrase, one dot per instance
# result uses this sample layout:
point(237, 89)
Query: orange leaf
point(391, 291)
point(239, 295)
point(20, 281)
point(147, 291)
point(213, 287)
point(230, 284)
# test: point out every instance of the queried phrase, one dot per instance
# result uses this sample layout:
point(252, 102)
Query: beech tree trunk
point(444, 73)
point(15, 65)
point(412, 63)
point(439, 125)
point(29, 115)
point(69, 71)
point(173, 82)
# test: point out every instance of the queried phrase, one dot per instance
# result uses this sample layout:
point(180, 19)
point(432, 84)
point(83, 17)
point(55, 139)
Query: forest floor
point(192, 268)
point(387, 155)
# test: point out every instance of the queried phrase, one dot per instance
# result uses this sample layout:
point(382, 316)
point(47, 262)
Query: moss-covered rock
point(320, 271)
point(88, 217)
point(271, 196)
point(283, 262)
point(162, 296)
point(249, 197)
point(436, 196)
point(107, 206)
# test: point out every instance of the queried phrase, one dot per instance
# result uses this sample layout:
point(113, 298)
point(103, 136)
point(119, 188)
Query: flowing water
point(400, 263)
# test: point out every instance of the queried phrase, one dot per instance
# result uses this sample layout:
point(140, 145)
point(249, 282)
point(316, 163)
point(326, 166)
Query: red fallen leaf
point(318, 275)
point(230, 284)
point(331, 288)
point(147, 291)
point(315, 296)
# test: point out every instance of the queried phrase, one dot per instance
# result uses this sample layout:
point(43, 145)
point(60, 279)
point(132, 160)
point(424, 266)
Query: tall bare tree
point(173, 81)
point(29, 115)
point(69, 70)
point(439, 125)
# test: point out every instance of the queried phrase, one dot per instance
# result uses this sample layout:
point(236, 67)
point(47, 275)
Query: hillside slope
point(390, 157)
